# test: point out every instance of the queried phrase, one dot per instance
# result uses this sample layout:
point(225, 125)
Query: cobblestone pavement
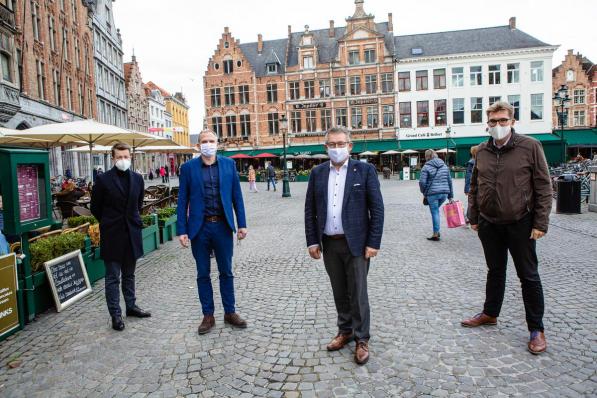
point(419, 292)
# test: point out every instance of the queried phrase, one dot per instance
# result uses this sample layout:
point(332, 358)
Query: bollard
point(593, 194)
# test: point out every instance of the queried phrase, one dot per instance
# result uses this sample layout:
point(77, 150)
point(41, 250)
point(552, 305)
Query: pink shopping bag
point(454, 214)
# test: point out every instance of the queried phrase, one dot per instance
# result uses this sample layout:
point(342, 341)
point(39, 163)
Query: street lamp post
point(285, 182)
point(561, 99)
point(448, 136)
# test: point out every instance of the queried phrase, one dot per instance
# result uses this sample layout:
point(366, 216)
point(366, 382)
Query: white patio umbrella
point(96, 149)
point(367, 153)
point(319, 156)
point(13, 137)
point(91, 133)
point(444, 150)
point(409, 151)
point(391, 152)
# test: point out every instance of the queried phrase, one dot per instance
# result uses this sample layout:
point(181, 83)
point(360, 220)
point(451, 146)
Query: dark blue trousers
point(216, 237)
point(113, 272)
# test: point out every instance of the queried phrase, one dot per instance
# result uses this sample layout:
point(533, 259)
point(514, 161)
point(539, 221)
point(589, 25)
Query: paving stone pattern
point(419, 291)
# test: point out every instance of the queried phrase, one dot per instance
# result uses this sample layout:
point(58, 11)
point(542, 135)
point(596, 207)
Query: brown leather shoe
point(235, 320)
point(479, 320)
point(361, 354)
point(537, 343)
point(207, 324)
point(340, 341)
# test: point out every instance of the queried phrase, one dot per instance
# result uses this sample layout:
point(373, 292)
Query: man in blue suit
point(344, 215)
point(209, 193)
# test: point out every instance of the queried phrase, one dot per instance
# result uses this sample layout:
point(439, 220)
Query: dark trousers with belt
point(216, 237)
point(348, 276)
point(113, 273)
point(497, 240)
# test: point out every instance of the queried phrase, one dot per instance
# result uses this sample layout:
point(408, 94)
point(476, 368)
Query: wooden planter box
point(167, 229)
point(300, 178)
point(151, 236)
point(458, 174)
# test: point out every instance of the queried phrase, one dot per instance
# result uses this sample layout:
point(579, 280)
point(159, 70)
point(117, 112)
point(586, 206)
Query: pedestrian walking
point(344, 216)
point(252, 180)
point(210, 190)
point(509, 205)
point(271, 176)
point(116, 203)
point(163, 174)
point(435, 184)
point(167, 173)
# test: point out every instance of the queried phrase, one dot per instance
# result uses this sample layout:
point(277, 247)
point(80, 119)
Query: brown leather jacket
point(510, 182)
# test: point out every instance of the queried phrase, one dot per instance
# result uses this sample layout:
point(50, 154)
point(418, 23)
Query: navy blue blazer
point(362, 206)
point(119, 215)
point(191, 203)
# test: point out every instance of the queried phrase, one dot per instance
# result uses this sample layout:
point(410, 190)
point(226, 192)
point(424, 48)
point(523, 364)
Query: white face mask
point(123, 164)
point(338, 155)
point(209, 149)
point(499, 132)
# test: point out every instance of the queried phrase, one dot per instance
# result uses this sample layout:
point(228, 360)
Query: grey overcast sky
point(174, 39)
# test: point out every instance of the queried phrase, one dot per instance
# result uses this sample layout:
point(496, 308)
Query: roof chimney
point(226, 30)
point(512, 23)
point(390, 22)
point(259, 43)
point(289, 30)
point(571, 52)
point(332, 31)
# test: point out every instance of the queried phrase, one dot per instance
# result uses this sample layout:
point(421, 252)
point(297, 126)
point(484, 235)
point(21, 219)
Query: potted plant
point(150, 233)
point(303, 175)
point(167, 223)
point(458, 172)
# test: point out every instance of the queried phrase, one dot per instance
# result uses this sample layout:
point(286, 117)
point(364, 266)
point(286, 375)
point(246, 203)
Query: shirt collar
point(344, 165)
point(207, 165)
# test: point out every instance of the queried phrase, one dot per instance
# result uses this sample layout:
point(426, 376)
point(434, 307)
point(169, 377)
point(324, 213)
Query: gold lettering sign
point(9, 312)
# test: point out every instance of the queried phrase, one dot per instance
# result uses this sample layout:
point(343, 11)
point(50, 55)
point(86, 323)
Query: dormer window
point(307, 41)
point(416, 51)
point(308, 62)
point(272, 68)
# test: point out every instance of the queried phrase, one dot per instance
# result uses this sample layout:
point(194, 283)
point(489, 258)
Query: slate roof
point(464, 41)
point(432, 44)
point(259, 61)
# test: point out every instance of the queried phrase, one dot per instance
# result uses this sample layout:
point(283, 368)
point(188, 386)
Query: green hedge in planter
point(150, 233)
point(167, 223)
point(80, 220)
point(54, 246)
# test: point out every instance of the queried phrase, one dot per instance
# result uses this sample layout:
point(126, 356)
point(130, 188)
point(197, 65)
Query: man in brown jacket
point(509, 205)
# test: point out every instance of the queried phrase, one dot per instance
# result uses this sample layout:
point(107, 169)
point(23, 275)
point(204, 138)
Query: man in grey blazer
point(344, 215)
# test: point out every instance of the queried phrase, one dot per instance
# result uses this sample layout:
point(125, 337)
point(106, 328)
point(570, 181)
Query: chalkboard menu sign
point(28, 188)
point(68, 279)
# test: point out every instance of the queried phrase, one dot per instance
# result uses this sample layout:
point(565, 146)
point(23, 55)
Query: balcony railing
point(7, 17)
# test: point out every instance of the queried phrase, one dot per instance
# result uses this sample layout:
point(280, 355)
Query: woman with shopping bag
point(435, 184)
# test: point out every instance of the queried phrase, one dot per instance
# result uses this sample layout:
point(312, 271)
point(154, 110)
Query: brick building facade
point(579, 74)
point(138, 118)
point(391, 91)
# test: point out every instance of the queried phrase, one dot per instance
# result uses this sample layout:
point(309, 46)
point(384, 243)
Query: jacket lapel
point(220, 176)
point(350, 177)
point(325, 177)
point(197, 171)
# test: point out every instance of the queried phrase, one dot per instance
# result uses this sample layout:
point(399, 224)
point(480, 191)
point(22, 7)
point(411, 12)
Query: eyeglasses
point(503, 121)
point(336, 144)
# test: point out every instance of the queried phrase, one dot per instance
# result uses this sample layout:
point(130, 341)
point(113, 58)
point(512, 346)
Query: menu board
point(68, 279)
point(28, 186)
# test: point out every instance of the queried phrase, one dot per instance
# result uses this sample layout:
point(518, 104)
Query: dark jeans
point(497, 240)
point(216, 237)
point(271, 180)
point(348, 276)
point(113, 272)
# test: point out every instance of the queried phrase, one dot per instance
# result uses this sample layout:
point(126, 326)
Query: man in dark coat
point(116, 203)
point(344, 215)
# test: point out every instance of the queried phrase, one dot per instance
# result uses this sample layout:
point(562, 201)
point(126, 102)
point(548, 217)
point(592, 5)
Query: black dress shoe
point(434, 238)
point(137, 312)
point(117, 323)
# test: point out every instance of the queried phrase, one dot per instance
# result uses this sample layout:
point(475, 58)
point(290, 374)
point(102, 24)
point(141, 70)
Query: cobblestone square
point(419, 291)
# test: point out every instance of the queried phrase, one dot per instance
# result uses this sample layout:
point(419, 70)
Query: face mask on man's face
point(338, 155)
point(123, 164)
point(209, 149)
point(499, 132)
